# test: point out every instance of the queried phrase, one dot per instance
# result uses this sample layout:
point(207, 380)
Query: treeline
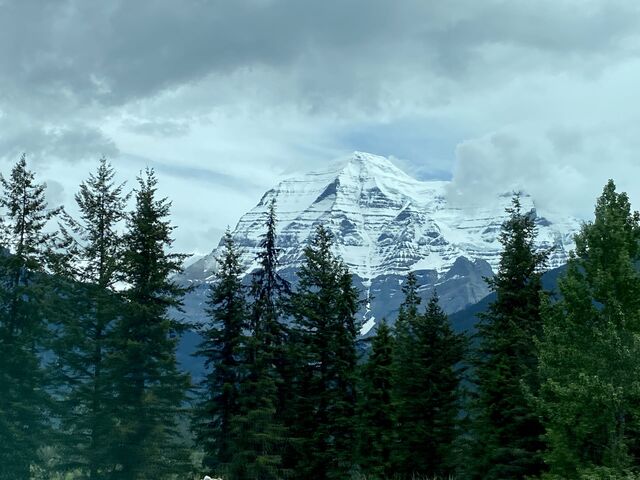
point(90, 387)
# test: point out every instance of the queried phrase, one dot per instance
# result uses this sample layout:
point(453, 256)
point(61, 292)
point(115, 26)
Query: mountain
point(385, 223)
point(465, 320)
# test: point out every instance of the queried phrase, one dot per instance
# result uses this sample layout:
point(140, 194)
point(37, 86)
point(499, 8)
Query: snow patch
point(367, 326)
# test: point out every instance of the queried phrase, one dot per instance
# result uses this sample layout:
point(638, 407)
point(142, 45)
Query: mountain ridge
point(384, 221)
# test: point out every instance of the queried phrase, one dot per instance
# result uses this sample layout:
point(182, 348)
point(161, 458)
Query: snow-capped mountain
point(386, 223)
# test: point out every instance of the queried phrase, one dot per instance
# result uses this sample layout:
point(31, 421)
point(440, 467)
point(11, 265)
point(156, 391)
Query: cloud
point(225, 98)
point(159, 128)
point(55, 193)
point(44, 144)
point(563, 170)
point(324, 52)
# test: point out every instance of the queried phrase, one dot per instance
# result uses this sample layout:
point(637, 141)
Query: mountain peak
point(367, 164)
point(384, 221)
point(364, 158)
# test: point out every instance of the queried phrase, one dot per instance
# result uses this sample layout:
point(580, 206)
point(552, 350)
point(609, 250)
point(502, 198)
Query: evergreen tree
point(259, 434)
point(88, 311)
point(404, 354)
point(324, 310)
point(426, 378)
point(342, 408)
point(507, 432)
point(590, 355)
point(97, 242)
point(222, 351)
point(375, 410)
point(441, 352)
point(25, 252)
point(150, 389)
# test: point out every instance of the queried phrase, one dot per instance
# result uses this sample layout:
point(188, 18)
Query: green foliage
point(375, 411)
point(507, 432)
point(95, 243)
point(259, 435)
point(90, 387)
point(590, 355)
point(324, 308)
point(222, 349)
point(84, 337)
point(150, 391)
point(426, 377)
point(25, 253)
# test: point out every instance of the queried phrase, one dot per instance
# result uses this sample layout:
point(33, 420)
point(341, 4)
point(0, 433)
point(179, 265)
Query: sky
point(225, 98)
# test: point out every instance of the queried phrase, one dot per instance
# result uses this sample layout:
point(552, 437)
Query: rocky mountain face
point(385, 223)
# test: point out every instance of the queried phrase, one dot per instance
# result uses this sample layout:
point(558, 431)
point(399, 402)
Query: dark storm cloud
point(69, 144)
point(224, 97)
point(114, 52)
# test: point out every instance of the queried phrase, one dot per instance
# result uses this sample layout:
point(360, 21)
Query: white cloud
point(225, 98)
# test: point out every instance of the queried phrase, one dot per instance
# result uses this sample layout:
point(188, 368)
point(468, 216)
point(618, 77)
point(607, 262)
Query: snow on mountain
point(384, 221)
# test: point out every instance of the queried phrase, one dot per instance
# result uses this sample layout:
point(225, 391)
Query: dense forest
point(90, 388)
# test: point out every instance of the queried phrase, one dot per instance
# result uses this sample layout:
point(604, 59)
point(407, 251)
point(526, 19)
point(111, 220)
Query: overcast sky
point(225, 97)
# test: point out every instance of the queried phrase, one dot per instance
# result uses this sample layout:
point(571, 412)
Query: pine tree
point(404, 354)
point(259, 434)
point(150, 389)
point(441, 352)
point(426, 377)
point(507, 431)
point(590, 355)
point(344, 370)
point(26, 252)
point(222, 351)
point(324, 308)
point(88, 311)
point(375, 410)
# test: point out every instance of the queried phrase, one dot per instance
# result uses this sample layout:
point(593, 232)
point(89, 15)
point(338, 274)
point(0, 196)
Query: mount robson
point(385, 223)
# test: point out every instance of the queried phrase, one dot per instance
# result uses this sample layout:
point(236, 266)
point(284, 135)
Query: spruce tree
point(403, 388)
point(441, 353)
point(426, 380)
point(507, 433)
point(88, 311)
point(324, 308)
point(25, 254)
point(344, 370)
point(259, 433)
point(222, 351)
point(590, 354)
point(375, 410)
point(150, 388)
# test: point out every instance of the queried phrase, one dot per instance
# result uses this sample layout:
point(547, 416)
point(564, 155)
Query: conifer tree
point(343, 405)
point(259, 434)
point(150, 389)
point(324, 309)
point(590, 354)
point(87, 312)
point(426, 378)
point(441, 353)
point(24, 257)
point(404, 353)
point(507, 433)
point(375, 410)
point(269, 290)
point(222, 351)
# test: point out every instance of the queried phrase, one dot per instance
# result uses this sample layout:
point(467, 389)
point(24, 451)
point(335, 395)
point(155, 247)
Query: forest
point(545, 388)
